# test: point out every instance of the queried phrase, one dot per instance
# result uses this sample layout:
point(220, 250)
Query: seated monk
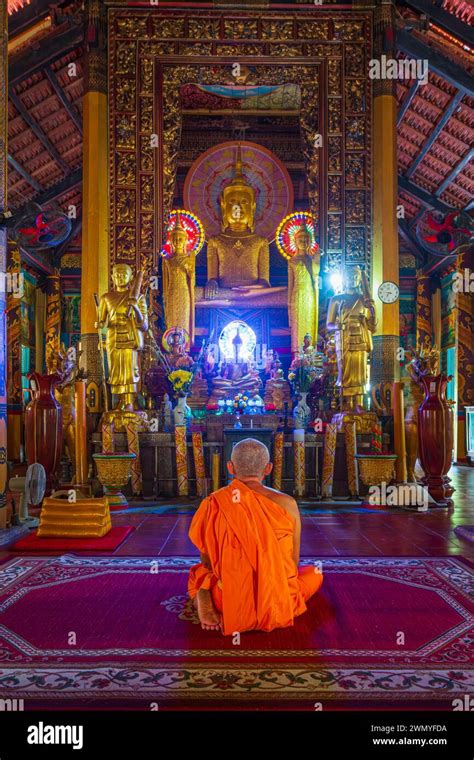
point(249, 539)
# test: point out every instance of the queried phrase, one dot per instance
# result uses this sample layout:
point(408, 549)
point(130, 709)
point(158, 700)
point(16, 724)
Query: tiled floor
point(391, 533)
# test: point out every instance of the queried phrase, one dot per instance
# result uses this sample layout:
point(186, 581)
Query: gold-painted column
point(95, 196)
point(385, 263)
point(3, 255)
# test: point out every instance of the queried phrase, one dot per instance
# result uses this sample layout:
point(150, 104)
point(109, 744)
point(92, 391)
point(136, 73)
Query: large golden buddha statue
point(238, 259)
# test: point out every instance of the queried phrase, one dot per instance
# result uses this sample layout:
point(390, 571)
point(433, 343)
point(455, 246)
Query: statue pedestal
point(365, 421)
point(248, 383)
point(120, 419)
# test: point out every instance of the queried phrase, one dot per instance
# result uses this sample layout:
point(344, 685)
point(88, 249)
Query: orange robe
point(253, 578)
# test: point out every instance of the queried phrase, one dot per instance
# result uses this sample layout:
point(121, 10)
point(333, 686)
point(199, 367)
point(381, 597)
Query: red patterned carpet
point(138, 640)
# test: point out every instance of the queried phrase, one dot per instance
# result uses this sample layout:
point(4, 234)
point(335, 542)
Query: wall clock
point(388, 292)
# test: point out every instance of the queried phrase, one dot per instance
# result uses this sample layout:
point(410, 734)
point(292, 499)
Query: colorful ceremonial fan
point(193, 227)
point(39, 229)
point(445, 234)
point(289, 226)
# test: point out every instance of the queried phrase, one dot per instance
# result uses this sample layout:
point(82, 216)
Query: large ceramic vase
point(302, 412)
point(182, 413)
point(435, 438)
point(44, 426)
point(411, 430)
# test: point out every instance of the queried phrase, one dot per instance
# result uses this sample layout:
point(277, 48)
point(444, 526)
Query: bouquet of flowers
point(301, 379)
point(305, 368)
point(181, 380)
point(240, 402)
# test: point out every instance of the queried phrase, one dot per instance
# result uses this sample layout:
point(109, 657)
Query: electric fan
point(31, 488)
point(38, 229)
point(445, 234)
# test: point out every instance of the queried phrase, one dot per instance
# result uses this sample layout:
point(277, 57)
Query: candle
point(80, 432)
point(329, 455)
point(181, 460)
point(278, 460)
point(299, 461)
point(216, 467)
point(198, 454)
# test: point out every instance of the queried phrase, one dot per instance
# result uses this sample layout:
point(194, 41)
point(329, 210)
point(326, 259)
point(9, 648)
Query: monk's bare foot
point(208, 615)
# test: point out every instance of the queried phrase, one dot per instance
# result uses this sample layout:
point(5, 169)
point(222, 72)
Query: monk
point(249, 536)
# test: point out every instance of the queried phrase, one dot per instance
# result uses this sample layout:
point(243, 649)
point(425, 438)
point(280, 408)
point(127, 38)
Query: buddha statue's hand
point(211, 290)
point(133, 308)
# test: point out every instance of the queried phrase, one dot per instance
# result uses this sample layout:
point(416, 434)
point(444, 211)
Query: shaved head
point(250, 457)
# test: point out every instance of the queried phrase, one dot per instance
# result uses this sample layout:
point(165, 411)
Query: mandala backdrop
point(263, 171)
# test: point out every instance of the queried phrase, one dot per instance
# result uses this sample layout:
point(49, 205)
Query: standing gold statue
point(178, 282)
point(237, 257)
point(65, 362)
point(123, 311)
point(351, 316)
point(303, 290)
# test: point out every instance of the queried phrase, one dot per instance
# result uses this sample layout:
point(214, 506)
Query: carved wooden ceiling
point(435, 129)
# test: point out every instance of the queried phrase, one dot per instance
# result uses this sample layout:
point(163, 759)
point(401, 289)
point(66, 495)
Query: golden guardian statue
point(123, 313)
point(351, 317)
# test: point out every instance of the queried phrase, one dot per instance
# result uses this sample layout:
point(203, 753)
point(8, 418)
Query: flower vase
point(302, 412)
point(435, 438)
point(182, 412)
point(238, 423)
point(43, 426)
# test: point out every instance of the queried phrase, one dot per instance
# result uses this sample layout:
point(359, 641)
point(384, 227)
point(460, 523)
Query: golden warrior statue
point(178, 282)
point(351, 316)
point(303, 291)
point(123, 311)
point(237, 257)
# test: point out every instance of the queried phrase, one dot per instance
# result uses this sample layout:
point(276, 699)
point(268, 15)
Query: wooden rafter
point(421, 195)
point(72, 112)
point(23, 173)
point(408, 101)
point(435, 132)
point(25, 17)
point(55, 191)
point(38, 132)
point(438, 63)
point(443, 19)
point(457, 169)
point(31, 61)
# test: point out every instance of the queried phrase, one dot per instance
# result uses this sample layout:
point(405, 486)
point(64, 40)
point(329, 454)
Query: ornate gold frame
point(152, 52)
